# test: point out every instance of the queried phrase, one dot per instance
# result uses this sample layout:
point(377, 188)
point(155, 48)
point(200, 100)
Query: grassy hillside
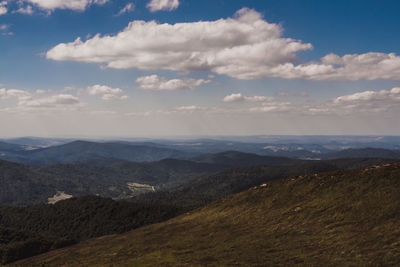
point(344, 218)
point(209, 187)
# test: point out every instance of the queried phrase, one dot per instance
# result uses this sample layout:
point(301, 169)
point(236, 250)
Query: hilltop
point(78, 151)
point(342, 218)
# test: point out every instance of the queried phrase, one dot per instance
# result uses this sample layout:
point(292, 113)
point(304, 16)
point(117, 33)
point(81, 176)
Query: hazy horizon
point(184, 68)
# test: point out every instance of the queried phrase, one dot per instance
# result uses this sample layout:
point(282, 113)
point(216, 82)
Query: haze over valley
point(199, 133)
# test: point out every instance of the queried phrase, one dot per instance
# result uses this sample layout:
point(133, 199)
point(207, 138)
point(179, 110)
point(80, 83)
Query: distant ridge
point(237, 159)
point(83, 150)
point(364, 153)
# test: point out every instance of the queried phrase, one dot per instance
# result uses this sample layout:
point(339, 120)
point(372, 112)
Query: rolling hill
point(344, 218)
point(241, 159)
point(83, 150)
point(27, 185)
point(209, 187)
point(23, 185)
point(364, 153)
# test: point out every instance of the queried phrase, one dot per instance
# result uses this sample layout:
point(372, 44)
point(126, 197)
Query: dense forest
point(27, 231)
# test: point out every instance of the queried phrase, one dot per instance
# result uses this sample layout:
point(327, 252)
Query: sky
point(153, 68)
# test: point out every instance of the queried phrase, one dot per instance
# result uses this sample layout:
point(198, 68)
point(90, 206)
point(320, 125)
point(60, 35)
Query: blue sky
point(210, 68)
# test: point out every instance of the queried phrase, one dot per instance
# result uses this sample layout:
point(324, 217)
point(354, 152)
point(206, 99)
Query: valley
point(50, 206)
point(345, 218)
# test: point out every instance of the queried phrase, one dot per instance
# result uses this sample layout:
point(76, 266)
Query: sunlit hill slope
point(343, 218)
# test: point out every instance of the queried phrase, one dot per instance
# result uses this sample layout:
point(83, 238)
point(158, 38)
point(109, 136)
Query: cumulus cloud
point(3, 8)
point(368, 66)
point(26, 10)
point(54, 101)
point(106, 92)
point(126, 9)
point(10, 93)
point(244, 47)
point(156, 83)
point(157, 5)
point(365, 102)
point(242, 98)
point(39, 100)
point(238, 47)
point(78, 5)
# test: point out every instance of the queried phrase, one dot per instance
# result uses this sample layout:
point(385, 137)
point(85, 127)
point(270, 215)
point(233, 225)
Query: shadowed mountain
point(344, 218)
point(7, 147)
point(25, 185)
point(38, 141)
point(83, 150)
point(241, 159)
point(364, 153)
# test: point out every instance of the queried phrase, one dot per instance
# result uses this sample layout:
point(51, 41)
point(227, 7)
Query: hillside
point(27, 185)
point(364, 153)
point(345, 218)
point(22, 185)
point(241, 159)
point(83, 150)
point(36, 229)
point(209, 187)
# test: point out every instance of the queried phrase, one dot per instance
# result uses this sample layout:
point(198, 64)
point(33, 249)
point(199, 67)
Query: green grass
point(345, 218)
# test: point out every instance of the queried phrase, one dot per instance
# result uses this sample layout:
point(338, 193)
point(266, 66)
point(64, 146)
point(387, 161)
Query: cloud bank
point(156, 83)
point(242, 98)
point(27, 101)
point(106, 92)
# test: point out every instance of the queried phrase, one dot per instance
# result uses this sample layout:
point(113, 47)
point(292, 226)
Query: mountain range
point(204, 151)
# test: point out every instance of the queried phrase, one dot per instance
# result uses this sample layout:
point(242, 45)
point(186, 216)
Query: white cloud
point(3, 8)
point(78, 5)
point(244, 47)
point(157, 5)
point(26, 10)
point(368, 66)
point(10, 93)
point(154, 82)
point(106, 92)
point(54, 101)
point(40, 91)
point(3, 27)
point(27, 101)
point(274, 107)
point(126, 9)
point(242, 98)
point(237, 47)
point(362, 102)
